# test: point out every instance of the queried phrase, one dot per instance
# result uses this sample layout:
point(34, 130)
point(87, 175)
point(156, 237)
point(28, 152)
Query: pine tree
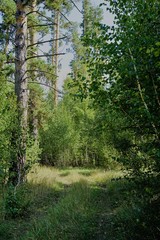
point(21, 84)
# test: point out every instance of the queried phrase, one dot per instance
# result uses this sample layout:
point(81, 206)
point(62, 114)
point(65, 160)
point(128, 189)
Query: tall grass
point(74, 215)
point(80, 204)
point(69, 219)
point(53, 176)
point(60, 205)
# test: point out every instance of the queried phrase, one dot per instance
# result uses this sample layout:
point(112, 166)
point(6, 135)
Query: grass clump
point(64, 174)
point(86, 173)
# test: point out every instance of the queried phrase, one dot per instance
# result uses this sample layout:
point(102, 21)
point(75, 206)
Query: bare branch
point(60, 92)
point(76, 7)
point(65, 17)
point(52, 40)
point(45, 55)
point(41, 25)
point(43, 84)
point(49, 19)
point(37, 70)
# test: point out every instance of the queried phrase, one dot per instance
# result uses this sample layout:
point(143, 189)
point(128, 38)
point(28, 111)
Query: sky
point(77, 17)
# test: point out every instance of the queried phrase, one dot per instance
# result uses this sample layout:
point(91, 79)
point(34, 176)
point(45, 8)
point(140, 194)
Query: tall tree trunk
point(21, 86)
point(32, 31)
point(55, 54)
point(33, 40)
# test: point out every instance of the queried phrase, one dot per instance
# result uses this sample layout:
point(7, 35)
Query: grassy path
point(80, 208)
point(76, 204)
point(63, 204)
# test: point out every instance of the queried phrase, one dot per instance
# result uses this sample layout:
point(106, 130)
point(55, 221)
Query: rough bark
point(55, 54)
point(21, 86)
point(33, 52)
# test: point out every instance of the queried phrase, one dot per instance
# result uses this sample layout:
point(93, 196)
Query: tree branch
point(45, 55)
point(44, 84)
point(41, 25)
point(52, 40)
point(65, 17)
point(49, 19)
point(37, 70)
point(76, 7)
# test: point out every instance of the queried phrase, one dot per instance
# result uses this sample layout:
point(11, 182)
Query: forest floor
point(68, 204)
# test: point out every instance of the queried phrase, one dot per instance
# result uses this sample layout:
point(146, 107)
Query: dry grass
point(55, 177)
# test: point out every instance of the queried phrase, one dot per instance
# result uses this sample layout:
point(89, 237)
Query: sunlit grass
point(53, 176)
point(64, 204)
point(76, 214)
point(77, 204)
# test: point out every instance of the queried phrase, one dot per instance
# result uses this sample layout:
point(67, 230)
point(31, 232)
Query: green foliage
point(91, 17)
point(7, 128)
point(59, 140)
point(16, 202)
point(72, 136)
point(58, 4)
point(124, 81)
point(33, 153)
point(136, 209)
point(8, 7)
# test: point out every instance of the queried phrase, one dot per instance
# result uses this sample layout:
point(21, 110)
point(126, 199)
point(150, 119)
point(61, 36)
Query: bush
point(59, 141)
point(33, 152)
point(16, 202)
point(8, 126)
